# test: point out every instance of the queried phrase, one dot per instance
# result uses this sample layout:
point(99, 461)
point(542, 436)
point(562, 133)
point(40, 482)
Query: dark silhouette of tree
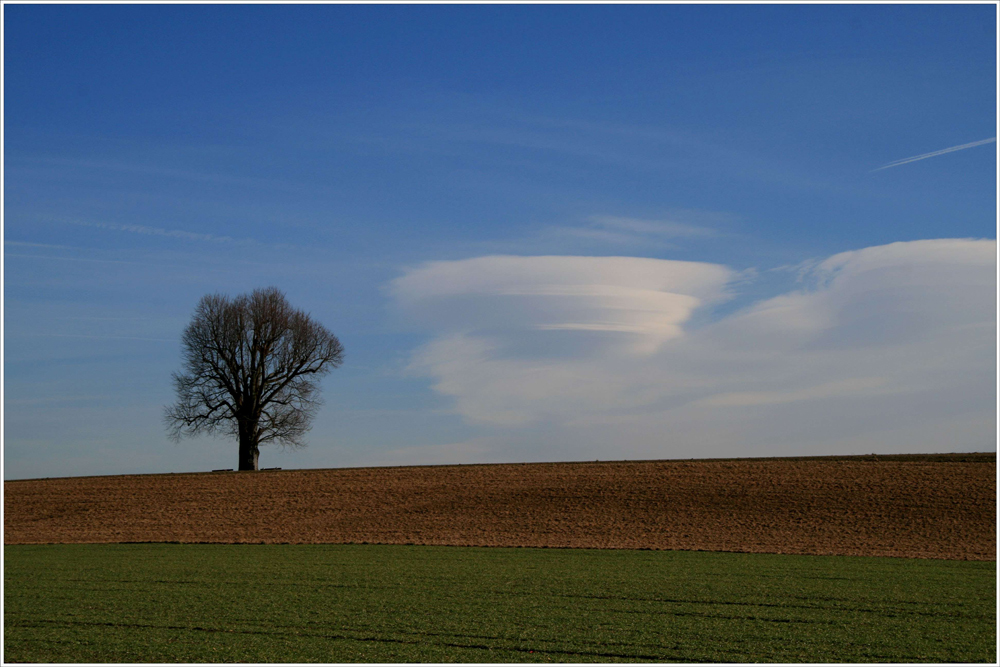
point(251, 371)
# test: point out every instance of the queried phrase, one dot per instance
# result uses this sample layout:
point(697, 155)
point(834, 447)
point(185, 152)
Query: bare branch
point(251, 370)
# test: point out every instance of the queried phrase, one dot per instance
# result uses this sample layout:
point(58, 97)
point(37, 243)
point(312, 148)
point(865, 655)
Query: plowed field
point(915, 506)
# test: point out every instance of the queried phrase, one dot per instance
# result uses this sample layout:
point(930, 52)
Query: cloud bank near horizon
point(889, 348)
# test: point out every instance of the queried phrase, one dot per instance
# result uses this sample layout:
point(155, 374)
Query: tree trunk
point(248, 448)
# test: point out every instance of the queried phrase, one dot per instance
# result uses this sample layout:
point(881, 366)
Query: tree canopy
point(251, 369)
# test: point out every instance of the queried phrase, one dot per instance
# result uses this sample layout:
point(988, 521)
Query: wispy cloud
point(924, 156)
point(155, 231)
point(145, 338)
point(664, 228)
point(624, 231)
point(90, 260)
point(87, 398)
point(158, 170)
point(25, 244)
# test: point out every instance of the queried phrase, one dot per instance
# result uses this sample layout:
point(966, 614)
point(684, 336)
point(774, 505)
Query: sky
point(542, 232)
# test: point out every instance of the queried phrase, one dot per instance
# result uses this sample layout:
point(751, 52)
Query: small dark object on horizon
point(223, 470)
point(270, 468)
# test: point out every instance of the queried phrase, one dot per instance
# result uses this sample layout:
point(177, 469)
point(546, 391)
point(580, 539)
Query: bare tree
point(251, 371)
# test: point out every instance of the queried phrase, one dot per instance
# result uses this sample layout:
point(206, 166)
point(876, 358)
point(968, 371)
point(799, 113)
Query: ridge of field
point(377, 603)
point(916, 506)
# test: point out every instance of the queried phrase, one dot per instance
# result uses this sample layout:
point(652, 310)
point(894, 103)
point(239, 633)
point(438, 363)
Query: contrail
point(940, 152)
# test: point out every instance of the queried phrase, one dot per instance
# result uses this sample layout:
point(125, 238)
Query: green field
point(344, 603)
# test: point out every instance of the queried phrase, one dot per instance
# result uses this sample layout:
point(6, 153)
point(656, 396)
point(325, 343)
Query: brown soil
point(916, 506)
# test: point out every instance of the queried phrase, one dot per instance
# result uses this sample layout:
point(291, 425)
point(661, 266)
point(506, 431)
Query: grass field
point(344, 603)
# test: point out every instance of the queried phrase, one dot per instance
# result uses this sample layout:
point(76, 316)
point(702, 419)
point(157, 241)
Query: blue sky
point(541, 232)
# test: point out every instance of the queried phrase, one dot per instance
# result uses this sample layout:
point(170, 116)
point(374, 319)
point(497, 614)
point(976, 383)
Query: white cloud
point(642, 301)
point(884, 347)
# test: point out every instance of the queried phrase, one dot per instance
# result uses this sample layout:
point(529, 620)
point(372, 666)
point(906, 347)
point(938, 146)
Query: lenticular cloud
point(890, 348)
point(637, 303)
